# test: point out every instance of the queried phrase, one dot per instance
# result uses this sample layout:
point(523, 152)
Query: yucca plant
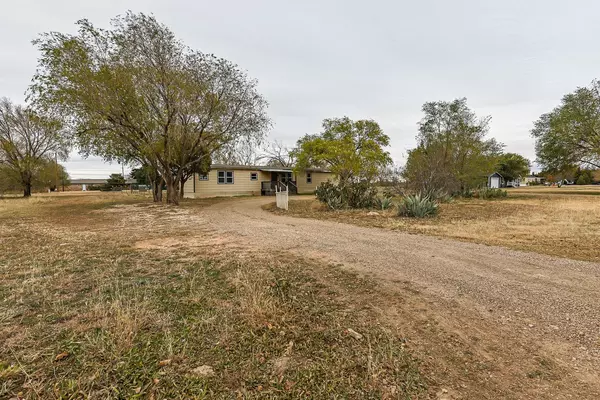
point(417, 206)
point(384, 203)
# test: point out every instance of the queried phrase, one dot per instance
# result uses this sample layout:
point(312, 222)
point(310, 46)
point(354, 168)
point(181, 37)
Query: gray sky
point(513, 60)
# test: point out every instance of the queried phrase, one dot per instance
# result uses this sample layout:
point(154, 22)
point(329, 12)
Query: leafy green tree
point(512, 166)
point(452, 153)
point(115, 181)
point(46, 176)
point(570, 134)
point(10, 181)
point(136, 93)
point(352, 150)
point(50, 175)
point(140, 174)
point(584, 177)
point(28, 141)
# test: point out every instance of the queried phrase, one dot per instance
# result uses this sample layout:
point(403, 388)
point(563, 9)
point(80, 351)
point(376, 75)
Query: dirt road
point(522, 325)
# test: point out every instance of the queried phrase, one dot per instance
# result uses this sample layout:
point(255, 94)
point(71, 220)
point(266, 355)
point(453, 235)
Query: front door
point(283, 177)
point(495, 182)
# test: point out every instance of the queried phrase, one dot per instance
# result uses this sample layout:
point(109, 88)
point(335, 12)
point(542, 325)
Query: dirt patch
point(474, 300)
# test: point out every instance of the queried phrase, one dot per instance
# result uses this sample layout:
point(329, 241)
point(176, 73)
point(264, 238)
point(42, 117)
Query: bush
point(489, 193)
point(360, 194)
point(584, 179)
point(349, 195)
point(331, 195)
point(384, 203)
point(465, 193)
point(418, 206)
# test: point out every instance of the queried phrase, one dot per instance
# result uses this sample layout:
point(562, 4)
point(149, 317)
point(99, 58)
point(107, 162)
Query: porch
point(280, 181)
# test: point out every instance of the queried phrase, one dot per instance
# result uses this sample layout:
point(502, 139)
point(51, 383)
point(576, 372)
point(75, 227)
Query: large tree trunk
point(27, 189)
point(172, 190)
point(26, 181)
point(182, 187)
point(157, 184)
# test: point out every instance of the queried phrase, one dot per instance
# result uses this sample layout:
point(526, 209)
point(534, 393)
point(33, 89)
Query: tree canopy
point(27, 142)
point(512, 166)
point(452, 152)
point(134, 92)
point(570, 134)
point(115, 181)
point(352, 150)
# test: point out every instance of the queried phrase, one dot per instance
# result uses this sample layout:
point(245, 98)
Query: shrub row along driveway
point(483, 318)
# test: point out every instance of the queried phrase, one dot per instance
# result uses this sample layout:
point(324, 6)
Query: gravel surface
point(510, 300)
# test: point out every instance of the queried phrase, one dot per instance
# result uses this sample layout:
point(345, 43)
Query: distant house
point(533, 180)
point(85, 183)
point(253, 180)
point(495, 181)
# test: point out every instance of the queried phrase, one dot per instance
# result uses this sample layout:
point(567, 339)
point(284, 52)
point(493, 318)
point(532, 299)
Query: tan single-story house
point(84, 184)
point(253, 180)
point(533, 180)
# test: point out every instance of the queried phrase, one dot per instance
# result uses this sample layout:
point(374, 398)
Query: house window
point(253, 176)
point(225, 177)
point(202, 177)
point(308, 177)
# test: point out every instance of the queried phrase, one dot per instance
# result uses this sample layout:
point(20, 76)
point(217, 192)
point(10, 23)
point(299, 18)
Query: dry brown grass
point(530, 219)
point(109, 296)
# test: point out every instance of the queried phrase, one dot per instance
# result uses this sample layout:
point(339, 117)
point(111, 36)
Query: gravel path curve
point(517, 296)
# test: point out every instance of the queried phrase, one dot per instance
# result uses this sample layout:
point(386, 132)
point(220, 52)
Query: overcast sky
point(513, 60)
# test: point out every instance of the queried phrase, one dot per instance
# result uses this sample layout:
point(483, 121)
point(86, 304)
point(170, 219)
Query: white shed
point(495, 181)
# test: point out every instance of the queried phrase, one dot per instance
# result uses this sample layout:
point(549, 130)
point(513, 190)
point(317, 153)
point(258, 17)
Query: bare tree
point(276, 154)
point(28, 141)
point(243, 152)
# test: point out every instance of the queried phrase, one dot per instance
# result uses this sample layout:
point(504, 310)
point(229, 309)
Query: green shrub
point(384, 203)
point(418, 206)
point(489, 193)
point(583, 180)
point(466, 193)
point(331, 195)
point(360, 194)
point(349, 195)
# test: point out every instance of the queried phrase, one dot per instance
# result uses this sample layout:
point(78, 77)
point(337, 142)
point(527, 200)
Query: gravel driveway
point(509, 306)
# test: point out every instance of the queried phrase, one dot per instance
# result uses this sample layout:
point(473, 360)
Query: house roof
point(496, 174)
point(95, 181)
point(86, 181)
point(264, 168)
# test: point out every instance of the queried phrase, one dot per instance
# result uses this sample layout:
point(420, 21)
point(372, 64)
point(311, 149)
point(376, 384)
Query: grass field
point(562, 222)
point(110, 297)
